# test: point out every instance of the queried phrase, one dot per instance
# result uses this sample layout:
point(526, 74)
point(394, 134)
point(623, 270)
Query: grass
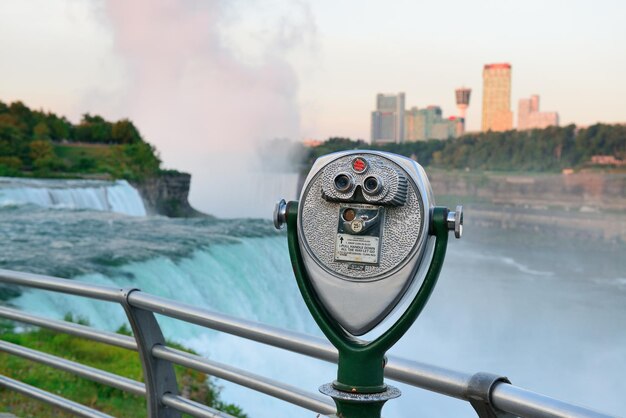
point(94, 395)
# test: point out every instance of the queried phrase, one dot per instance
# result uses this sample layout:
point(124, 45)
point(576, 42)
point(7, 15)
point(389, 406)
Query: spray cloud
point(199, 99)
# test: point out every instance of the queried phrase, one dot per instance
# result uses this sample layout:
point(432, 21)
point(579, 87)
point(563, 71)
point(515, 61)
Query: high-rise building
point(462, 96)
point(388, 118)
point(529, 116)
point(414, 125)
point(497, 115)
point(428, 123)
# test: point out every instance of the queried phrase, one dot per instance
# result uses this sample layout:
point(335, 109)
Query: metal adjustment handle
point(280, 214)
point(455, 221)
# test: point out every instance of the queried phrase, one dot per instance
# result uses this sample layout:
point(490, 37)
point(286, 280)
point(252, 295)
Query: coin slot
point(349, 215)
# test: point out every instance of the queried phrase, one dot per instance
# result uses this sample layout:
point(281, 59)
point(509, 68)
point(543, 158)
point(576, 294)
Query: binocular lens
point(343, 182)
point(371, 185)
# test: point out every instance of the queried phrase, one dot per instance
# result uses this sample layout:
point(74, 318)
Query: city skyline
point(300, 69)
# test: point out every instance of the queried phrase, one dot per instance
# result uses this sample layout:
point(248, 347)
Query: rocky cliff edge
point(167, 195)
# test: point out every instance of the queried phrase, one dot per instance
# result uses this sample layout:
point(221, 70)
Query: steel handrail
point(51, 399)
point(452, 383)
point(279, 390)
point(56, 284)
point(288, 393)
point(87, 372)
point(192, 408)
point(70, 328)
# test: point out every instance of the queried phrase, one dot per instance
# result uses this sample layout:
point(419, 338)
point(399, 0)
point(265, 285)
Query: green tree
point(124, 132)
point(40, 149)
point(10, 166)
point(41, 131)
point(143, 159)
point(60, 128)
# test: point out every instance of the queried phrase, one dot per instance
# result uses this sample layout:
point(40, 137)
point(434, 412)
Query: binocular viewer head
point(363, 231)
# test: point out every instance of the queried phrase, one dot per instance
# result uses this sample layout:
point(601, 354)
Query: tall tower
point(497, 115)
point(462, 103)
point(388, 118)
point(462, 100)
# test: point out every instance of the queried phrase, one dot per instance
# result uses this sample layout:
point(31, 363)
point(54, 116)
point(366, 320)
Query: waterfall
point(108, 196)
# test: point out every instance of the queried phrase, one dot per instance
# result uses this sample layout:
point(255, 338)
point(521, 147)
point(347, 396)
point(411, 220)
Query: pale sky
point(199, 76)
point(57, 53)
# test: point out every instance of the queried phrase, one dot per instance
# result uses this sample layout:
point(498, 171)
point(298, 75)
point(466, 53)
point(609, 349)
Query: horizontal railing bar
point(51, 399)
point(91, 373)
point(525, 403)
point(192, 408)
point(106, 337)
point(55, 284)
point(265, 334)
point(288, 393)
point(433, 378)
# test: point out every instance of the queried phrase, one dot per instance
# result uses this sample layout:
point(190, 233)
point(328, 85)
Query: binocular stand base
point(364, 405)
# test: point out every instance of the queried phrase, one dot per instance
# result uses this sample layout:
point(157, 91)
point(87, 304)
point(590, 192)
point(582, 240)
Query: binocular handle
point(455, 221)
point(280, 214)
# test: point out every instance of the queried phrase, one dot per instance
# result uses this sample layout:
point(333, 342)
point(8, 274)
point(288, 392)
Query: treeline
point(42, 144)
point(549, 149)
point(38, 124)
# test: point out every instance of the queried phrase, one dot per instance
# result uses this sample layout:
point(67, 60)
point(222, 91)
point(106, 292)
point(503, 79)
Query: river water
point(548, 312)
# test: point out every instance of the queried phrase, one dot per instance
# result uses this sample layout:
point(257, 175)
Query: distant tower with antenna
point(462, 103)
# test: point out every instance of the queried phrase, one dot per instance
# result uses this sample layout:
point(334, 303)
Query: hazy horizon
point(206, 80)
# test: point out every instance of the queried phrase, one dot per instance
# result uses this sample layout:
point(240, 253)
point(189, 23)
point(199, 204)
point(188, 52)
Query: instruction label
point(357, 248)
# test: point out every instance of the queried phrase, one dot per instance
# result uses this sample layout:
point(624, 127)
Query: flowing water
point(547, 312)
point(117, 196)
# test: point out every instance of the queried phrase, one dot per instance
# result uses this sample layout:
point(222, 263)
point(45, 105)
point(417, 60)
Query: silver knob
point(280, 214)
point(455, 221)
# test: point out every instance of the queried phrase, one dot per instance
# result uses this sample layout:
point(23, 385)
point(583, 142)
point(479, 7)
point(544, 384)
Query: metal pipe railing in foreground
point(91, 373)
point(525, 403)
point(55, 284)
point(301, 398)
point(433, 378)
point(51, 399)
point(288, 393)
point(265, 334)
point(106, 337)
point(192, 408)
point(438, 379)
point(448, 382)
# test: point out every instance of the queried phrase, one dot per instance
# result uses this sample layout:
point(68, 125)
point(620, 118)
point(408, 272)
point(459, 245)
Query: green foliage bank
point(35, 143)
point(539, 150)
point(112, 359)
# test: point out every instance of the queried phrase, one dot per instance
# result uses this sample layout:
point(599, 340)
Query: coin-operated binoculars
point(366, 243)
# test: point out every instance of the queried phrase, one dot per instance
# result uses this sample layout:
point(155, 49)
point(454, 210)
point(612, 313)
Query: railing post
point(159, 375)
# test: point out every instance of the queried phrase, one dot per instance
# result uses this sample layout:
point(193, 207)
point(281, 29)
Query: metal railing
point(496, 398)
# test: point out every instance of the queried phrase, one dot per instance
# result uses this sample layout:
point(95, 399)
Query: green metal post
point(360, 390)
